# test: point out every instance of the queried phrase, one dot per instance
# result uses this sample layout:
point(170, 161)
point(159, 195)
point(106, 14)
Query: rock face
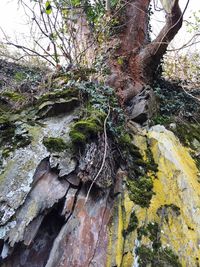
point(142, 106)
point(177, 190)
point(140, 211)
point(102, 231)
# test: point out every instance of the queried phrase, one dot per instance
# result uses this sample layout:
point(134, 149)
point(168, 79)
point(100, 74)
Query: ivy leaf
point(48, 7)
point(76, 3)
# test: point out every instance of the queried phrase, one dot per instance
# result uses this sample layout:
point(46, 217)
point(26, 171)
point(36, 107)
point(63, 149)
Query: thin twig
point(194, 97)
point(186, 44)
point(26, 49)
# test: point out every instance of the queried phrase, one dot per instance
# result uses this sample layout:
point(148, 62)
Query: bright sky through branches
point(14, 22)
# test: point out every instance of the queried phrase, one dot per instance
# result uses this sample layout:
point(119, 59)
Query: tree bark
point(142, 56)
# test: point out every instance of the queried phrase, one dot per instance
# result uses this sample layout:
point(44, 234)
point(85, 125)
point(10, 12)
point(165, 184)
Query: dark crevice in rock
point(36, 254)
point(74, 201)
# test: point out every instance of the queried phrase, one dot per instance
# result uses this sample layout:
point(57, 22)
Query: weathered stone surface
point(97, 230)
point(91, 162)
point(66, 164)
point(60, 106)
point(83, 240)
point(174, 207)
point(18, 169)
point(47, 191)
point(143, 106)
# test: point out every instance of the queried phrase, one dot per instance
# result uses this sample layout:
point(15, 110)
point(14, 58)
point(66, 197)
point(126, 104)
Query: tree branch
point(27, 50)
point(151, 55)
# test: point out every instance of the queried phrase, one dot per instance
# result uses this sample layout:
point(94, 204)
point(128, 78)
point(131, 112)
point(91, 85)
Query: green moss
point(4, 119)
point(14, 96)
point(141, 191)
point(187, 133)
point(67, 93)
point(126, 144)
point(131, 156)
point(152, 231)
point(155, 255)
point(150, 163)
point(83, 130)
point(163, 257)
point(145, 255)
point(21, 140)
point(7, 133)
point(6, 152)
point(133, 223)
point(140, 171)
point(20, 76)
point(12, 137)
point(154, 235)
point(54, 144)
point(162, 119)
point(77, 138)
point(164, 211)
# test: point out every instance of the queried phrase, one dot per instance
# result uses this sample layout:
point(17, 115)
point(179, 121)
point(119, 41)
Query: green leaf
point(76, 2)
point(48, 7)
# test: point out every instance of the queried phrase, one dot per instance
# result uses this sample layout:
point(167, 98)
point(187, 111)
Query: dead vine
point(104, 155)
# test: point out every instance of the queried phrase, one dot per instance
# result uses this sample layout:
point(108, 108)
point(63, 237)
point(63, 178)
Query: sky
point(183, 35)
point(13, 21)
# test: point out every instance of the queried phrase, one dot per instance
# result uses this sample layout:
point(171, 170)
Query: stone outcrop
point(142, 208)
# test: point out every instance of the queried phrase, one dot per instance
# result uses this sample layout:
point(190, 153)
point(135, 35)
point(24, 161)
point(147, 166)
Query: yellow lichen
point(176, 183)
point(120, 240)
point(174, 208)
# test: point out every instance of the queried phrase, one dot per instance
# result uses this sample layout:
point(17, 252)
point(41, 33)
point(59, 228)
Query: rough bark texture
point(141, 57)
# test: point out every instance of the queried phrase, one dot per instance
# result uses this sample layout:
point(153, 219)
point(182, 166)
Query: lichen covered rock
point(167, 232)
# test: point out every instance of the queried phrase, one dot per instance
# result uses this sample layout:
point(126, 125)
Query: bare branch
point(26, 49)
point(186, 44)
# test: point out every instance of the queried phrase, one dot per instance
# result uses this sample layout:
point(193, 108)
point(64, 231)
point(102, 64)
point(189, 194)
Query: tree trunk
point(141, 57)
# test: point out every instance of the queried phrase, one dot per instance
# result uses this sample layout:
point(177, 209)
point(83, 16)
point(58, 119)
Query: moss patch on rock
point(141, 191)
point(140, 172)
point(189, 135)
point(156, 255)
point(86, 129)
point(55, 144)
point(12, 137)
point(133, 223)
point(14, 96)
point(66, 93)
point(168, 209)
point(163, 257)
